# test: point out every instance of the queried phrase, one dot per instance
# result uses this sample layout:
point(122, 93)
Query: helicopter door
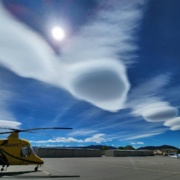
point(25, 151)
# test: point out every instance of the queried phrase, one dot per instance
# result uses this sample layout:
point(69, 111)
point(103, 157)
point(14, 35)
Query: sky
point(114, 78)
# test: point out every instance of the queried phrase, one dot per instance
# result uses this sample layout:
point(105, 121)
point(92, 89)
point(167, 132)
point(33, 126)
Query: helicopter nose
point(39, 160)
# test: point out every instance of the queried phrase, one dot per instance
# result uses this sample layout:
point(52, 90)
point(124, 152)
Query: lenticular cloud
point(9, 124)
point(103, 84)
point(90, 67)
point(174, 123)
point(156, 111)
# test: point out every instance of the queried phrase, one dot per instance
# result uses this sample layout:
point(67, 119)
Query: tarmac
point(100, 168)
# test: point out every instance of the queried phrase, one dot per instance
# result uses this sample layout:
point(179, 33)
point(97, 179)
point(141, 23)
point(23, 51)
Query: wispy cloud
point(141, 136)
point(7, 119)
point(83, 132)
point(149, 88)
point(5, 97)
point(137, 131)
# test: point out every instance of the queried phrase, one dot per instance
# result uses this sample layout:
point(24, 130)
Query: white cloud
point(23, 51)
point(155, 111)
point(97, 138)
point(175, 128)
point(59, 140)
point(88, 67)
point(102, 83)
point(137, 143)
point(9, 124)
point(174, 123)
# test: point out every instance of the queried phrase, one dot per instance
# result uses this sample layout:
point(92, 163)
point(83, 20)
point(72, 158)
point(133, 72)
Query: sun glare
point(58, 33)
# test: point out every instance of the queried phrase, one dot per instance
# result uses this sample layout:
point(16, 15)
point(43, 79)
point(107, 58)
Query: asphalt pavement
point(101, 168)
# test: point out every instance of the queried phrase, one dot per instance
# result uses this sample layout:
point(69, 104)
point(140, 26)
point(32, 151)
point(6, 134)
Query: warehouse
point(78, 152)
point(67, 152)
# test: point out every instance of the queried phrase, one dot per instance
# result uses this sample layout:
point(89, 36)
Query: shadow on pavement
point(19, 175)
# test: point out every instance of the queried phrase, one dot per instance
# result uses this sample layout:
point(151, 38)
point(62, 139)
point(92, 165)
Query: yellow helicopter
point(15, 151)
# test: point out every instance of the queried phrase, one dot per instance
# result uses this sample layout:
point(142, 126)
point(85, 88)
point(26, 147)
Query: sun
point(58, 33)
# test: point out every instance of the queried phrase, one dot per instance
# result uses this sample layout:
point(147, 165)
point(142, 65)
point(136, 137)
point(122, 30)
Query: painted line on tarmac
point(59, 176)
point(45, 172)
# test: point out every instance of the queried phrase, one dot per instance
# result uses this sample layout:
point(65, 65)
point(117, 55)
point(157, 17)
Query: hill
point(158, 147)
point(100, 147)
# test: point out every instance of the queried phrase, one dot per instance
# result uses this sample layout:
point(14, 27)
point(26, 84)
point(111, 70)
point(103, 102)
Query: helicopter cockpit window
point(25, 151)
point(32, 150)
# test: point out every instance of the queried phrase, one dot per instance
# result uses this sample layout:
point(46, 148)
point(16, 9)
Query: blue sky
point(114, 78)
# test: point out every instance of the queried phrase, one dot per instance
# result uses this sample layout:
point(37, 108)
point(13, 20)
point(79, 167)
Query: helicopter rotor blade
point(33, 129)
point(6, 132)
point(51, 128)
